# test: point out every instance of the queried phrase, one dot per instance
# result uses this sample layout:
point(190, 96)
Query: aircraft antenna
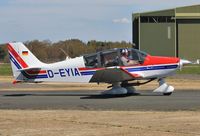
point(67, 56)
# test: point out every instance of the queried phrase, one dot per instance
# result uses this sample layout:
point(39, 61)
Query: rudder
point(21, 58)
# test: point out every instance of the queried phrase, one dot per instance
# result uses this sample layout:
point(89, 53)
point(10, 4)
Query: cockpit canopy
point(115, 57)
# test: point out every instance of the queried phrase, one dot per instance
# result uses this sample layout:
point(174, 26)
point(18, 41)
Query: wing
point(112, 75)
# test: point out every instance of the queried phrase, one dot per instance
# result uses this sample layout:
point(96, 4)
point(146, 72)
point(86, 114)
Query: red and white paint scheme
point(101, 67)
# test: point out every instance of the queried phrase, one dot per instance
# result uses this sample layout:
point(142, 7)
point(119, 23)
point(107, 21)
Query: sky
point(55, 20)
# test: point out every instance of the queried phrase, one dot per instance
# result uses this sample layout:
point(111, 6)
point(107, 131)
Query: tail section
point(23, 61)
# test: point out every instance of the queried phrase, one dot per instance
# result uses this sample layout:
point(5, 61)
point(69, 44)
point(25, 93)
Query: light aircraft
point(136, 68)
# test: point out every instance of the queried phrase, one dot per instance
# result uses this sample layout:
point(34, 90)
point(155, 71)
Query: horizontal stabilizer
point(30, 69)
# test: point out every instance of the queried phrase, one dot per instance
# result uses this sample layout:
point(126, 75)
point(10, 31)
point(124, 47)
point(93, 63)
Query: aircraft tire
point(167, 94)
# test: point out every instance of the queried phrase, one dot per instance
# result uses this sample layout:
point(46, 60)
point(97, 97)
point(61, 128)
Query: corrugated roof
point(192, 11)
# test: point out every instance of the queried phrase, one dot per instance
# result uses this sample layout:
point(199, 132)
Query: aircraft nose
point(183, 62)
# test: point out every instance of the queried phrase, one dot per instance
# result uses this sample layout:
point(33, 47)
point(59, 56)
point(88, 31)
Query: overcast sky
point(105, 20)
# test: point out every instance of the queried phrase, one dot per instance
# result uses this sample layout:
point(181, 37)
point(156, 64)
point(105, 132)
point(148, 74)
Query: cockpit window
point(130, 57)
point(91, 61)
point(119, 57)
point(109, 59)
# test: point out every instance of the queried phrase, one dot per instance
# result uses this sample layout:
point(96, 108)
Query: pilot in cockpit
point(126, 61)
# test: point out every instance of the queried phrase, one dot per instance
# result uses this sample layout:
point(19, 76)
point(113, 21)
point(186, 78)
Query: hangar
point(171, 32)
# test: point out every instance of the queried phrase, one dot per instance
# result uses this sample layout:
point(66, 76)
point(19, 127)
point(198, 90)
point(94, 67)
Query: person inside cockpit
point(125, 59)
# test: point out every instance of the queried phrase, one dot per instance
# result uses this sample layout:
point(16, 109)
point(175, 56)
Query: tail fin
point(21, 59)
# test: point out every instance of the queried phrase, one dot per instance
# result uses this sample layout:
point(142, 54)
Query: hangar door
point(189, 40)
point(158, 38)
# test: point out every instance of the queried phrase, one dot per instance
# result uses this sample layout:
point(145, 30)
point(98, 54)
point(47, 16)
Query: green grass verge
point(5, 70)
point(192, 69)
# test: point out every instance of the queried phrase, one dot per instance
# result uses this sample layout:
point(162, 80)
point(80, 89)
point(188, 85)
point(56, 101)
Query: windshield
point(141, 56)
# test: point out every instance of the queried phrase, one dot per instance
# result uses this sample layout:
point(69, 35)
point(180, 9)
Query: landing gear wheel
point(167, 94)
point(116, 90)
point(164, 88)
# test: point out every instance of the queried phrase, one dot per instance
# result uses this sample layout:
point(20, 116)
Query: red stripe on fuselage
point(17, 57)
point(82, 69)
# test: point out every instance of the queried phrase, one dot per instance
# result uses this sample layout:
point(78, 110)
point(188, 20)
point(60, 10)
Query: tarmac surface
point(93, 100)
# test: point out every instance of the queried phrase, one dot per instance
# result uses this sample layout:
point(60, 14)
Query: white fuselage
point(73, 70)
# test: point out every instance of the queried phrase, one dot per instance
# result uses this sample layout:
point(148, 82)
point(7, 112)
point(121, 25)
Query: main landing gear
point(128, 88)
point(117, 89)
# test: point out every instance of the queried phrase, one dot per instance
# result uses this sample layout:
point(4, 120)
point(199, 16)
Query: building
point(172, 32)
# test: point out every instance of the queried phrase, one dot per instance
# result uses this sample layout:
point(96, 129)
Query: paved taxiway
point(92, 100)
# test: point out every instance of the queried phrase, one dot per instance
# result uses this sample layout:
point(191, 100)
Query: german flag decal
point(24, 53)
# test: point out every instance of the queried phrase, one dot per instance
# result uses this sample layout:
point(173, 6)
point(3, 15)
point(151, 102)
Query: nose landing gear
point(164, 87)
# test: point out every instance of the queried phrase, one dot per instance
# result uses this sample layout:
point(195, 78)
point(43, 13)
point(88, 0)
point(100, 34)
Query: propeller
point(197, 62)
point(184, 62)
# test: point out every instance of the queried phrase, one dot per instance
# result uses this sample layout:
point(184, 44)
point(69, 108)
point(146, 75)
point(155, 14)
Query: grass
point(98, 123)
point(5, 70)
point(191, 69)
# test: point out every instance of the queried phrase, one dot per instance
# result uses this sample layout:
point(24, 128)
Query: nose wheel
point(164, 88)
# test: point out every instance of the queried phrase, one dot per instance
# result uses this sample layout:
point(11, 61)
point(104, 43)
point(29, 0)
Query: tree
point(2, 52)
point(46, 51)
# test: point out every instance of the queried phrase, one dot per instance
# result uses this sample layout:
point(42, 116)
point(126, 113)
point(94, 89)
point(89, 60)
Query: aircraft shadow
point(81, 95)
point(101, 96)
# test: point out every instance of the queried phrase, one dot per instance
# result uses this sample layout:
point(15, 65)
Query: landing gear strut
point(119, 88)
